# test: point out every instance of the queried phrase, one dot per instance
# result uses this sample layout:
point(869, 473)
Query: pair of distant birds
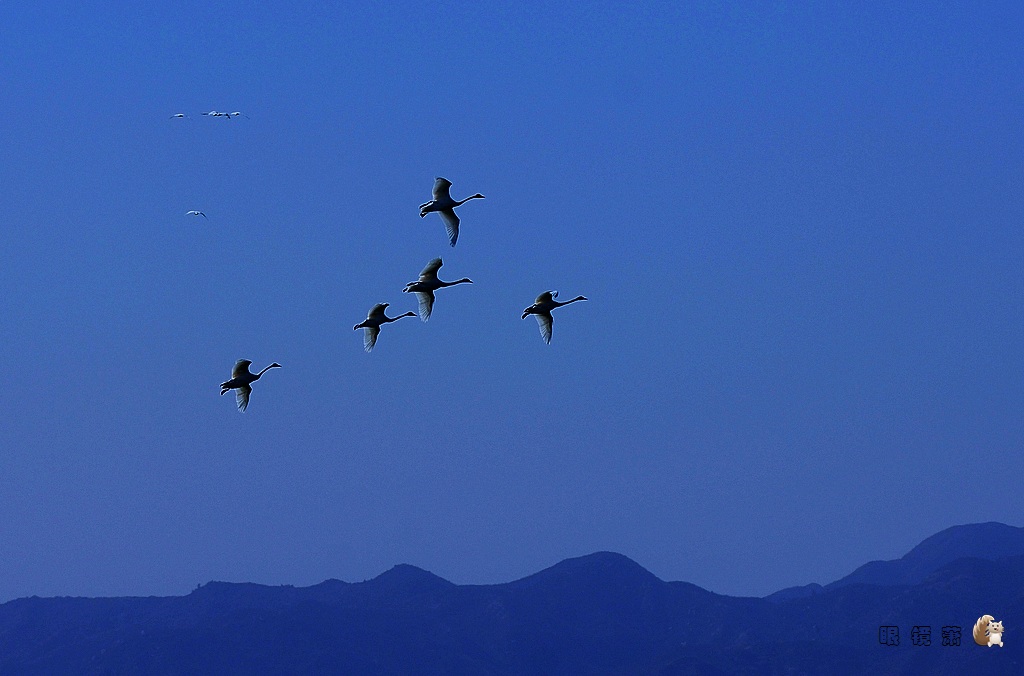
point(212, 113)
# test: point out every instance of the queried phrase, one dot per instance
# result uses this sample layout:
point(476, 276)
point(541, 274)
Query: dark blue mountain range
point(597, 614)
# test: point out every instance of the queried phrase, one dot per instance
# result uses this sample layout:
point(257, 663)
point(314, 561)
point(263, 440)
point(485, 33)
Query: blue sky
point(799, 228)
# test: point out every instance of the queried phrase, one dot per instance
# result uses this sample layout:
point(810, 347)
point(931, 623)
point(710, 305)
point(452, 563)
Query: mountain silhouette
point(990, 541)
point(406, 579)
point(597, 614)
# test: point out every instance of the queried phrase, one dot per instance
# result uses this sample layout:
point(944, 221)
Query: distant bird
point(427, 284)
point(371, 327)
point(181, 115)
point(214, 113)
point(445, 206)
point(542, 308)
point(236, 114)
point(196, 213)
point(241, 379)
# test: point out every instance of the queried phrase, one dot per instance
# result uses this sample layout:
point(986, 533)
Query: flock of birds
point(442, 203)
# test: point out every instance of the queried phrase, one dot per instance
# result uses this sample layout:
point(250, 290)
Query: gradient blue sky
point(799, 227)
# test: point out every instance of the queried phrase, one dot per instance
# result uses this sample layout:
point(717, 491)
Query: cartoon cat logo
point(988, 632)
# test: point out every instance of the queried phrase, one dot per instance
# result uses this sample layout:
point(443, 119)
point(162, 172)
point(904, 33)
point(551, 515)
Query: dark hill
point(980, 540)
point(608, 567)
point(406, 579)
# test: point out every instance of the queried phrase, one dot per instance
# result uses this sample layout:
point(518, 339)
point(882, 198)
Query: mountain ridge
point(990, 540)
point(593, 614)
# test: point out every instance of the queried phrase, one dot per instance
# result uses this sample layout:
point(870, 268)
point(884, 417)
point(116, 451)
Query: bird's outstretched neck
point(571, 301)
point(272, 366)
point(471, 197)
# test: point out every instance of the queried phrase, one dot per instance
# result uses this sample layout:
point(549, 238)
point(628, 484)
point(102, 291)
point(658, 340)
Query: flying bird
point(444, 205)
point(427, 284)
point(542, 308)
point(181, 115)
point(236, 114)
point(241, 381)
point(196, 213)
point(374, 319)
point(214, 113)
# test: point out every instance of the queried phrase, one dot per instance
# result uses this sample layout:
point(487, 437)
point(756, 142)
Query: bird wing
point(451, 224)
point(545, 297)
point(426, 299)
point(241, 368)
point(431, 270)
point(370, 334)
point(442, 189)
point(242, 393)
point(544, 322)
point(376, 311)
